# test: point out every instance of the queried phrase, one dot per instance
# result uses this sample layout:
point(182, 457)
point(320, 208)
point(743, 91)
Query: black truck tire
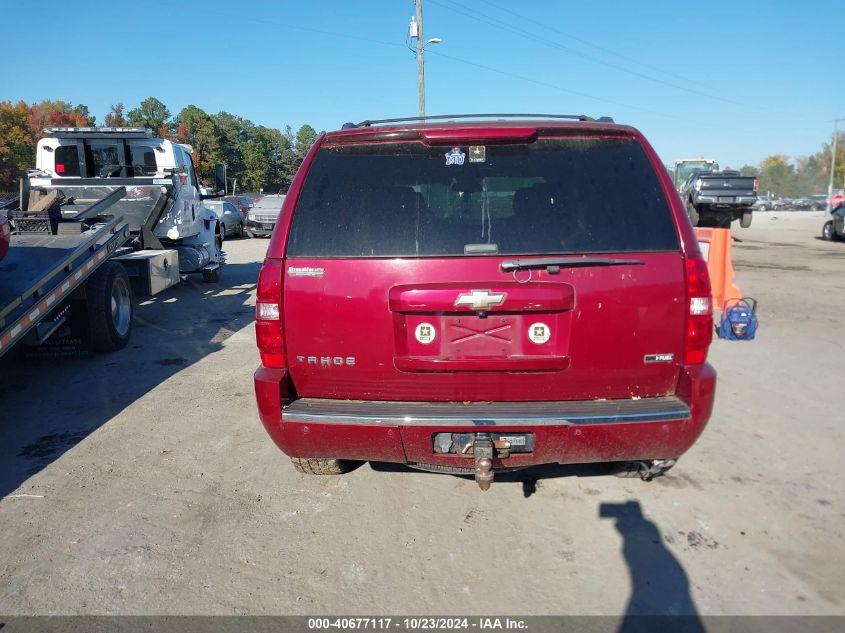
point(108, 298)
point(745, 219)
point(314, 466)
point(213, 276)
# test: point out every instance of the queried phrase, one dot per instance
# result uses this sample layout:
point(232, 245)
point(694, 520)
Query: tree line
point(256, 157)
point(806, 176)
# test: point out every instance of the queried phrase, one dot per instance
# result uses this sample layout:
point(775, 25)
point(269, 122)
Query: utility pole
point(420, 64)
point(832, 165)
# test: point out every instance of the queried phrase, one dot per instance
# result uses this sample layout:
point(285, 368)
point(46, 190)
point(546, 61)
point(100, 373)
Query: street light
point(415, 31)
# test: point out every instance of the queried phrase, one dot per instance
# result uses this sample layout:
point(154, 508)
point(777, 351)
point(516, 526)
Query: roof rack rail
point(573, 117)
point(72, 132)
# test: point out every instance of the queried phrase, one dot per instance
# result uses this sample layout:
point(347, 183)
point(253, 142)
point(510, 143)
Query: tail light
point(268, 315)
point(755, 185)
point(700, 317)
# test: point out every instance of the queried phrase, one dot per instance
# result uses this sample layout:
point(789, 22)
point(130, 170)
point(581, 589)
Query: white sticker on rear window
point(425, 333)
point(539, 333)
point(455, 156)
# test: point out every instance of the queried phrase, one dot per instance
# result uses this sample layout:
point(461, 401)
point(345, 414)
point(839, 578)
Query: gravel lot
point(142, 482)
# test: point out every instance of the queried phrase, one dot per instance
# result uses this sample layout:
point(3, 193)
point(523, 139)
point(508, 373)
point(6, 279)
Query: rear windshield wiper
point(554, 264)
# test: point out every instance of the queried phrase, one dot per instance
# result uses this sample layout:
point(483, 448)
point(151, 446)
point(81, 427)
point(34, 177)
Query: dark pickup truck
point(717, 198)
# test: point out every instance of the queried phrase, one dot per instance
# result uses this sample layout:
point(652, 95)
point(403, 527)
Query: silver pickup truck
point(717, 198)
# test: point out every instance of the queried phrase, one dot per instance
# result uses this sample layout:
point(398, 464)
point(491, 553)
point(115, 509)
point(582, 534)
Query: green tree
point(748, 170)
point(279, 153)
point(778, 176)
point(305, 137)
point(152, 114)
point(255, 165)
point(17, 147)
point(823, 161)
point(233, 132)
point(196, 128)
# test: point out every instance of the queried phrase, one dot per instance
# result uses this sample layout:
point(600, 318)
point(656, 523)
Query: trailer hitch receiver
point(482, 449)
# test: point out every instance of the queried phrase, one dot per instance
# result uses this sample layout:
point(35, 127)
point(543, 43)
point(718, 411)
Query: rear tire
point(827, 231)
point(320, 466)
point(213, 276)
point(745, 219)
point(108, 298)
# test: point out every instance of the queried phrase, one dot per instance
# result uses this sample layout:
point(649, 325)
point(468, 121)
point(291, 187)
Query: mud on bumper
point(565, 432)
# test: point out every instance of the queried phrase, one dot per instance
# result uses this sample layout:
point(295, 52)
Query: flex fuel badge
point(455, 156)
point(539, 333)
point(425, 333)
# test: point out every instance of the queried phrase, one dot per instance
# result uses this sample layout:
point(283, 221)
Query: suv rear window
point(554, 196)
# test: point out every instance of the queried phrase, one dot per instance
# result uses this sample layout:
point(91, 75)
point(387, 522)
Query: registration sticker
point(425, 333)
point(455, 156)
point(539, 333)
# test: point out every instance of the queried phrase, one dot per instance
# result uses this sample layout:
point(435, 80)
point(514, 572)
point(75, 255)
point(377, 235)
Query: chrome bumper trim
point(559, 413)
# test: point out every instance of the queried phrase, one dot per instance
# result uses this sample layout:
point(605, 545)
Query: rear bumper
point(737, 202)
point(564, 432)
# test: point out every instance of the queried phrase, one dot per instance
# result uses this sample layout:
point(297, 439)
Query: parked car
point(230, 219)
point(262, 217)
point(5, 235)
point(803, 204)
point(782, 204)
point(764, 204)
point(465, 297)
point(820, 200)
point(242, 202)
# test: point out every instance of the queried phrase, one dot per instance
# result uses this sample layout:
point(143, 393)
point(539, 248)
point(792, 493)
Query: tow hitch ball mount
point(482, 451)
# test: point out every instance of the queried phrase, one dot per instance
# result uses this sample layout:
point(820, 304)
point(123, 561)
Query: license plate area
point(462, 443)
point(726, 199)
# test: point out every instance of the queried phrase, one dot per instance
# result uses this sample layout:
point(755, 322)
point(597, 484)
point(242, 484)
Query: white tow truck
point(105, 211)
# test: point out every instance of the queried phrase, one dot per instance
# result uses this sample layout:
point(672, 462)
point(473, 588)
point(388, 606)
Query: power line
point(585, 42)
point(557, 87)
point(504, 26)
point(288, 25)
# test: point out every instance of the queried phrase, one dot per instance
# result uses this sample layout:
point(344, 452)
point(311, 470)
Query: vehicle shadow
point(659, 585)
point(50, 404)
point(527, 477)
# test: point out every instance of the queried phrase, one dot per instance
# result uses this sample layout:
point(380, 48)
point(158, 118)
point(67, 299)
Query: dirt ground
point(142, 482)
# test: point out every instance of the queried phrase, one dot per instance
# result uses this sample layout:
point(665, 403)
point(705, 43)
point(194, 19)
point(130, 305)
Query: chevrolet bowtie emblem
point(480, 299)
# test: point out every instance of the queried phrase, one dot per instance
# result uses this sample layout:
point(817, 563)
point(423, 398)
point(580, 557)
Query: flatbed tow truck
point(107, 213)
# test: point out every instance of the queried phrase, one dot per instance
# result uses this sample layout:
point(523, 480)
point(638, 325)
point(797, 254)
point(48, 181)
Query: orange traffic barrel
point(716, 246)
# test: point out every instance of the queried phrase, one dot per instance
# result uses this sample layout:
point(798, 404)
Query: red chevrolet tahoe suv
point(473, 296)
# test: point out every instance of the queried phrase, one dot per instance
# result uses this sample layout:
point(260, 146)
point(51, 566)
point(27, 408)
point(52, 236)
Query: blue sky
point(735, 80)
